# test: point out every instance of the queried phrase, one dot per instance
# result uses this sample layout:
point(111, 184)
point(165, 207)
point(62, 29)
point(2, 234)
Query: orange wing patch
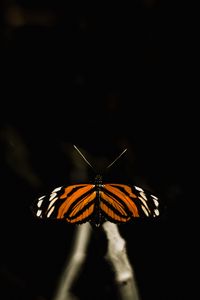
point(124, 196)
point(70, 199)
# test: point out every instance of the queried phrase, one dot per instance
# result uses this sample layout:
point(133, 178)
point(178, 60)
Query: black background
point(95, 77)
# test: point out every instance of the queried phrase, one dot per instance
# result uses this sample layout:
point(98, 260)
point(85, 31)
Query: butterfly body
point(97, 202)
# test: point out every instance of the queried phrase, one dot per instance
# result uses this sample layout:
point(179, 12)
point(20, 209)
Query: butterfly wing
point(74, 203)
point(120, 203)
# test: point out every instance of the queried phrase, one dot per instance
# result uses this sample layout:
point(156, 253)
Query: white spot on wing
point(154, 197)
point(41, 197)
point(156, 202)
point(143, 201)
point(143, 195)
point(57, 189)
point(38, 212)
point(145, 211)
point(52, 202)
point(156, 212)
point(39, 203)
point(138, 188)
point(53, 195)
point(50, 212)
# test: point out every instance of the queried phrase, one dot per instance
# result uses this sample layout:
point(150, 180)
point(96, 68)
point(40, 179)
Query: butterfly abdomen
point(97, 218)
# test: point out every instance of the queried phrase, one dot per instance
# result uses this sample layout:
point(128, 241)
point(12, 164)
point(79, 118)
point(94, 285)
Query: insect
point(97, 202)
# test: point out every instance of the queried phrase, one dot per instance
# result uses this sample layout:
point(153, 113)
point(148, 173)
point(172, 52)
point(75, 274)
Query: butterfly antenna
point(116, 158)
point(81, 154)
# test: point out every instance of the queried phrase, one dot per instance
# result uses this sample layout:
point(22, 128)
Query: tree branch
point(73, 263)
point(117, 257)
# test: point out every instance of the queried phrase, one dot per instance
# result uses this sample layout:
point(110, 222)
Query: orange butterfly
point(97, 202)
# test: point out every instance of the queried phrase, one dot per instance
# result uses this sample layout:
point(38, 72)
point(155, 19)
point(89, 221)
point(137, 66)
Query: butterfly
point(97, 202)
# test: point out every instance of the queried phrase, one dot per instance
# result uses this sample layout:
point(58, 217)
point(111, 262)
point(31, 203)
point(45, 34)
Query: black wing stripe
point(114, 203)
point(139, 202)
point(83, 215)
point(112, 214)
point(124, 195)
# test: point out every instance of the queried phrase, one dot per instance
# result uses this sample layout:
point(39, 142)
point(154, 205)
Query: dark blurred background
point(97, 77)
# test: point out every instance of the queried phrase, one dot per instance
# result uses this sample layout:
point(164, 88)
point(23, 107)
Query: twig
point(73, 263)
point(117, 257)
